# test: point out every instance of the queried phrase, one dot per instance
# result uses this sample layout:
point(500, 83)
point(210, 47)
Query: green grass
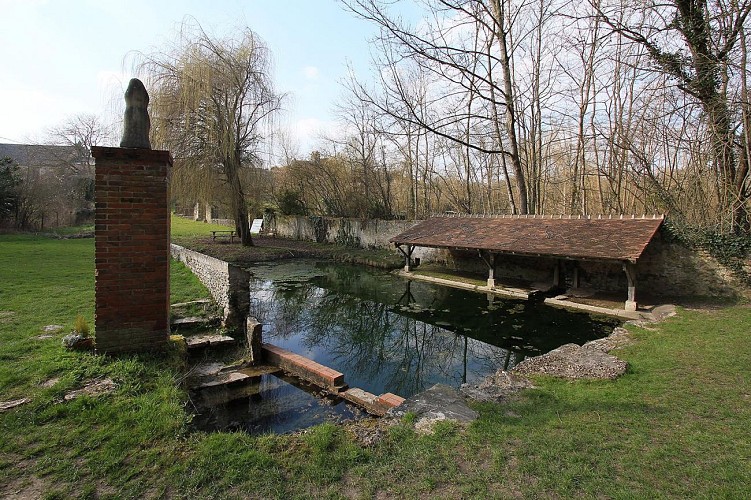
point(182, 227)
point(676, 425)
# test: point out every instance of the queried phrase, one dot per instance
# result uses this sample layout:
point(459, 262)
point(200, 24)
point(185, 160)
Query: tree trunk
point(239, 207)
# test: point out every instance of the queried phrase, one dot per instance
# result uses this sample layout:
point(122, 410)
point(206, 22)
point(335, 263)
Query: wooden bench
point(223, 234)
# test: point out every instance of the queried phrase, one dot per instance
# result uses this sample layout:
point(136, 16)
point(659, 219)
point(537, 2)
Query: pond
point(389, 334)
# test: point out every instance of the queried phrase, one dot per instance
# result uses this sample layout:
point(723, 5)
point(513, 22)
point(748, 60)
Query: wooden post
point(575, 284)
point(407, 257)
point(630, 271)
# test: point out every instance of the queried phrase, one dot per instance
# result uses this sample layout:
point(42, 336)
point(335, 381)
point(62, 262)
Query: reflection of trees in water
point(371, 341)
point(405, 336)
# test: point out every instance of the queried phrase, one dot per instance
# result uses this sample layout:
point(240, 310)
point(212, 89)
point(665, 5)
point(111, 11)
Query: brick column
point(132, 249)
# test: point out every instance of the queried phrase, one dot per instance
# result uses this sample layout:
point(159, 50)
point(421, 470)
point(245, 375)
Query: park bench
point(223, 234)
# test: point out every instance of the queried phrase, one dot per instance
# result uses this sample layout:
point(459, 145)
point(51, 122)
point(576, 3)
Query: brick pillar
point(132, 249)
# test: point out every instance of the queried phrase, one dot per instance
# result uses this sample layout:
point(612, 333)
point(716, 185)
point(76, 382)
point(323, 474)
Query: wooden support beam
point(407, 256)
point(630, 270)
point(491, 262)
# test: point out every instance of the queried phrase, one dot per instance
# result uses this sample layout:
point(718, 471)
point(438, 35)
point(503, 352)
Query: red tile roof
point(622, 239)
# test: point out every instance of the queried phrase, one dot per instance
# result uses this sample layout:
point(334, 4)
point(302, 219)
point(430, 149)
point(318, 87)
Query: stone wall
point(228, 284)
point(681, 271)
point(362, 233)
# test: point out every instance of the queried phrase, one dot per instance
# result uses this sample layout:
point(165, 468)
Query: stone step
point(193, 322)
point(201, 302)
point(234, 377)
point(204, 341)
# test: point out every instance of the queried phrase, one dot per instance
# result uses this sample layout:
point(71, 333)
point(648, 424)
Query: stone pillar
point(630, 271)
point(557, 274)
point(491, 271)
point(132, 230)
point(255, 340)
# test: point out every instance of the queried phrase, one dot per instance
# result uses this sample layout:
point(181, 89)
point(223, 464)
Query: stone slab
point(203, 341)
point(440, 402)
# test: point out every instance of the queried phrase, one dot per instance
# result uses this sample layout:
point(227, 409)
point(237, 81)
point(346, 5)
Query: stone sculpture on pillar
point(132, 236)
point(136, 124)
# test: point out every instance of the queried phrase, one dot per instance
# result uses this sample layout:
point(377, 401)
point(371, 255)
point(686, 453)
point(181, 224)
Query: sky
point(61, 58)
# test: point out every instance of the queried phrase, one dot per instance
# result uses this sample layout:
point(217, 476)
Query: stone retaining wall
point(228, 284)
point(363, 233)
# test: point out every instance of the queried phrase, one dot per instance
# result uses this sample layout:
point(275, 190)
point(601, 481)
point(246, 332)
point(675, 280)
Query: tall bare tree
point(697, 44)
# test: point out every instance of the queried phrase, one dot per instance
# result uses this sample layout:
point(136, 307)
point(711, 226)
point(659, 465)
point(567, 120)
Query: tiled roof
point(40, 155)
point(622, 239)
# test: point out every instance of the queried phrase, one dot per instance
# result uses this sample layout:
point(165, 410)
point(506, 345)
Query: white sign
point(256, 226)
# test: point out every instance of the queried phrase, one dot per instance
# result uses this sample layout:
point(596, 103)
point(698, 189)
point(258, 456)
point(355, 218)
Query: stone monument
point(136, 122)
point(132, 231)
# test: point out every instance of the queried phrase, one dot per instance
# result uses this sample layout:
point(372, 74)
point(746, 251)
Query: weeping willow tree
point(211, 103)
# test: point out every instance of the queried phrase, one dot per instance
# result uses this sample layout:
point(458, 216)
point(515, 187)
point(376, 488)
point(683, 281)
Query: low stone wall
point(227, 284)
point(361, 233)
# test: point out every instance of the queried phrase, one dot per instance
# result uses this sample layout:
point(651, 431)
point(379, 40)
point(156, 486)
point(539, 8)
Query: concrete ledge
point(521, 294)
point(515, 293)
point(620, 313)
point(304, 368)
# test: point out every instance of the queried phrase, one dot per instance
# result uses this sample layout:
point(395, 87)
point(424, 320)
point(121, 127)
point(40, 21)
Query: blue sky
point(63, 57)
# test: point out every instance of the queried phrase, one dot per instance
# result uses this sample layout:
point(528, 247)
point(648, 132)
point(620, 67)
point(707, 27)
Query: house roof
point(41, 155)
point(621, 239)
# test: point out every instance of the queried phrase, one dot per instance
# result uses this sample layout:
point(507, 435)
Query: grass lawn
point(676, 425)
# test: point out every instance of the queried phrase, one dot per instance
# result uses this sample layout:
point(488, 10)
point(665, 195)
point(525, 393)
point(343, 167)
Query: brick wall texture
point(132, 230)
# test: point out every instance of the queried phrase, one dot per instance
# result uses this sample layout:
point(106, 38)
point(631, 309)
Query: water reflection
point(387, 334)
point(270, 403)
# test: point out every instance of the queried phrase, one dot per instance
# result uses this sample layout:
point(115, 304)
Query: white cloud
point(308, 132)
point(311, 72)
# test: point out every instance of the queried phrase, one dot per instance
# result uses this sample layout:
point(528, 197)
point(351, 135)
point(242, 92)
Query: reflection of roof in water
point(622, 239)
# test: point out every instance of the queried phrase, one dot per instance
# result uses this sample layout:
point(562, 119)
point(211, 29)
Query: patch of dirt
point(5, 316)
point(368, 432)
point(92, 388)
point(50, 383)
point(24, 487)
point(9, 405)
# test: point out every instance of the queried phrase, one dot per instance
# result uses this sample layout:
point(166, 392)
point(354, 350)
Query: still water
point(387, 334)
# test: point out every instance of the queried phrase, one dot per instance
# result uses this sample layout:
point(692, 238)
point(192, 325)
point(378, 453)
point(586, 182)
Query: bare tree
point(465, 48)
point(696, 43)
